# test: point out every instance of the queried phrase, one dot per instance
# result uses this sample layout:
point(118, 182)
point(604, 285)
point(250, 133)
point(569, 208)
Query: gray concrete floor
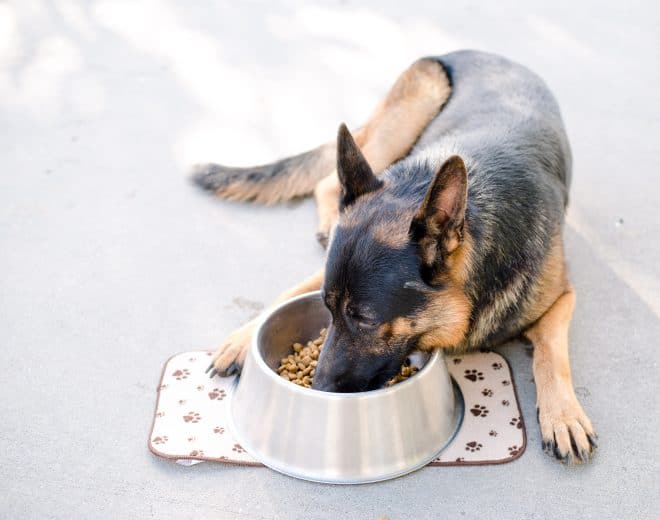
point(111, 261)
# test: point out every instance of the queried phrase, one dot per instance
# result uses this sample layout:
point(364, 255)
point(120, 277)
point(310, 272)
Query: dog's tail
point(270, 183)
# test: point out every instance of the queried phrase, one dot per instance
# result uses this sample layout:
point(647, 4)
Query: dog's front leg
point(229, 357)
point(566, 430)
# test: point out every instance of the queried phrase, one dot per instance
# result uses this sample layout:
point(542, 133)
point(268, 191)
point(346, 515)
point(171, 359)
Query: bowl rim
point(368, 394)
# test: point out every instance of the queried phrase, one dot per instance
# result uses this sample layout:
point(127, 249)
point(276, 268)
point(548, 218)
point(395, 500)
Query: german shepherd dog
point(442, 218)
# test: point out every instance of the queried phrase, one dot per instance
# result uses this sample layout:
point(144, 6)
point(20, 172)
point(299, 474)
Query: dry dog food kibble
point(299, 366)
point(405, 372)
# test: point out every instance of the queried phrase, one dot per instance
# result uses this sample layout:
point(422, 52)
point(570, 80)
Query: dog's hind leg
point(566, 431)
point(230, 355)
point(414, 100)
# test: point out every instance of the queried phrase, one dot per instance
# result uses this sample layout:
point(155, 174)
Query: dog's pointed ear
point(355, 174)
point(438, 224)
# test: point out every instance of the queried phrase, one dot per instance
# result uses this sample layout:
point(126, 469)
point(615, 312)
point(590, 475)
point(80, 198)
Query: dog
point(442, 217)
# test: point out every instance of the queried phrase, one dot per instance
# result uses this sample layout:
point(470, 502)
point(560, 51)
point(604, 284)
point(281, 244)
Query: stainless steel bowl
point(332, 437)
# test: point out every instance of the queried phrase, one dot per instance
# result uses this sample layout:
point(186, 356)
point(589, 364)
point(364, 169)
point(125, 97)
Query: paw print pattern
point(180, 374)
point(459, 459)
point(160, 414)
point(192, 439)
point(515, 421)
point(199, 388)
point(479, 411)
point(181, 402)
point(505, 403)
point(196, 453)
point(492, 433)
point(192, 417)
point(514, 450)
point(506, 382)
point(473, 446)
point(474, 375)
point(192, 359)
point(497, 365)
point(217, 394)
point(487, 392)
point(457, 360)
point(219, 430)
point(162, 387)
point(160, 440)
point(238, 448)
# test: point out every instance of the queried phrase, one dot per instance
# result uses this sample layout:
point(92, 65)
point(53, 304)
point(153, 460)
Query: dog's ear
point(355, 174)
point(438, 224)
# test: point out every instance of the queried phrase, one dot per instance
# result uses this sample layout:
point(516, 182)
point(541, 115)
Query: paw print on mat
point(196, 453)
point(160, 440)
point(505, 403)
point(492, 433)
point(514, 450)
point(219, 430)
point(473, 446)
point(479, 411)
point(474, 375)
point(487, 392)
point(515, 421)
point(217, 394)
point(506, 382)
point(192, 417)
point(457, 360)
point(496, 366)
point(180, 374)
point(238, 448)
point(459, 459)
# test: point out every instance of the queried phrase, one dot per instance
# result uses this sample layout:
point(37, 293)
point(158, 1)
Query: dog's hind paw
point(322, 238)
point(228, 359)
point(566, 431)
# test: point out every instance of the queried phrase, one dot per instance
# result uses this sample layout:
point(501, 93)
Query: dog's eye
point(362, 320)
point(368, 325)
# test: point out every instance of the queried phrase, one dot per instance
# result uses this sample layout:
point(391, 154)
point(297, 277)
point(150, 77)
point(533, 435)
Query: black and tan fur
point(444, 218)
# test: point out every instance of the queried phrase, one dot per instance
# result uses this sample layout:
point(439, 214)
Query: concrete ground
point(111, 261)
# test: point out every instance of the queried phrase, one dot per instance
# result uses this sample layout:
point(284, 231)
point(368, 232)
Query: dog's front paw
point(566, 431)
point(229, 357)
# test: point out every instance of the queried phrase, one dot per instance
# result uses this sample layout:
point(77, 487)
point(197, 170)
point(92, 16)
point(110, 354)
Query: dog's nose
point(324, 381)
point(329, 379)
point(343, 382)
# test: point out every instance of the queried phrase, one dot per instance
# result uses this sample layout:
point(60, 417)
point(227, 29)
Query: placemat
point(190, 418)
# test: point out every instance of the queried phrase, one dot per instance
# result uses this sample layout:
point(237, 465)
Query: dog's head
point(394, 274)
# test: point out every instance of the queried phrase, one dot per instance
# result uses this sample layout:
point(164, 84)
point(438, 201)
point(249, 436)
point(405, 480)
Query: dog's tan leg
point(399, 119)
point(230, 355)
point(566, 430)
